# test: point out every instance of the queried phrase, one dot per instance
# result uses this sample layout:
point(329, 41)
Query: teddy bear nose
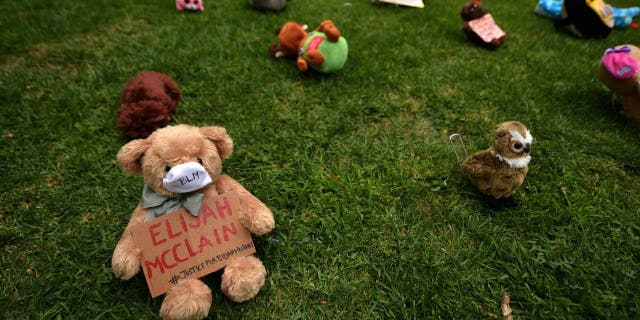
point(186, 177)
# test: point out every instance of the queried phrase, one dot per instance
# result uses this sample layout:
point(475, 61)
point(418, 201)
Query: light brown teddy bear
point(199, 152)
point(620, 72)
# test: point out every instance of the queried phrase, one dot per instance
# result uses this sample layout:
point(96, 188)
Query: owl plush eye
point(517, 145)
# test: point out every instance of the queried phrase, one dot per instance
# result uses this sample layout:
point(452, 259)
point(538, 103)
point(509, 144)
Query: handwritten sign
point(179, 246)
point(486, 28)
point(408, 3)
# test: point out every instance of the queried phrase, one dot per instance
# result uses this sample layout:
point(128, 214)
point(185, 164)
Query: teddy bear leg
point(631, 107)
point(243, 278)
point(329, 29)
point(302, 65)
point(190, 299)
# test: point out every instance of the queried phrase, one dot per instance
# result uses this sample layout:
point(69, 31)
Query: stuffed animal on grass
point(323, 49)
point(620, 72)
point(147, 102)
point(268, 5)
point(498, 171)
point(190, 151)
point(189, 5)
point(480, 27)
point(622, 17)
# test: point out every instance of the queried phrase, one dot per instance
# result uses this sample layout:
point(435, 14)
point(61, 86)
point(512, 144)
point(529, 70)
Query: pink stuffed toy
point(189, 5)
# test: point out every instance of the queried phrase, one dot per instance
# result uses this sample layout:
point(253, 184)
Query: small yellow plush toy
point(498, 171)
point(166, 155)
point(620, 72)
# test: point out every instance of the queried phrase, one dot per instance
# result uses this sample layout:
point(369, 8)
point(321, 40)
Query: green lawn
point(374, 219)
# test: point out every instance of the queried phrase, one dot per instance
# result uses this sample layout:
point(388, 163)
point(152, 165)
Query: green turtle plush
point(323, 49)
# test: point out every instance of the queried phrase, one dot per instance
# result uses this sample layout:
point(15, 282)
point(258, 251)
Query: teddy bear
point(498, 171)
point(184, 150)
point(323, 49)
point(268, 5)
point(480, 27)
point(189, 5)
point(147, 102)
point(620, 72)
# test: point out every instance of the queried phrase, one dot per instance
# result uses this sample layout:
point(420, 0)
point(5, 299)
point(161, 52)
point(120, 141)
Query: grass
point(373, 218)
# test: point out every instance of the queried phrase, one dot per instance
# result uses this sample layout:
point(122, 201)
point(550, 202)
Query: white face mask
point(186, 177)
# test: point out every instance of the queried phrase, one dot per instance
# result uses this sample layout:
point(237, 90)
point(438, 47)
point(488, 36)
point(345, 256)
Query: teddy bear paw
point(243, 278)
point(190, 299)
point(261, 221)
point(125, 265)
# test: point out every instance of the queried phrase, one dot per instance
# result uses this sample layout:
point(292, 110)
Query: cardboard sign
point(486, 28)
point(179, 246)
point(408, 3)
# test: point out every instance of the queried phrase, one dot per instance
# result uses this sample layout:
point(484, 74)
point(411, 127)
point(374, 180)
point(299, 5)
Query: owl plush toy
point(498, 171)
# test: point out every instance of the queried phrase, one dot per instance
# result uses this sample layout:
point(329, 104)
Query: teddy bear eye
point(199, 161)
point(167, 169)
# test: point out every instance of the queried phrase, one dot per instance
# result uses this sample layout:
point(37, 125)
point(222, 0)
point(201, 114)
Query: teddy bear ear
point(219, 136)
point(130, 155)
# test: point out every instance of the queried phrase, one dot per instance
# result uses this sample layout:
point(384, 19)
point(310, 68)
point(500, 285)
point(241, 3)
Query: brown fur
point(473, 10)
point(628, 90)
point(492, 176)
point(291, 37)
point(175, 145)
point(147, 102)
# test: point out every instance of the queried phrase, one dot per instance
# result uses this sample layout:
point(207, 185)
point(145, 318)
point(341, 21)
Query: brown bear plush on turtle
point(322, 49)
point(480, 26)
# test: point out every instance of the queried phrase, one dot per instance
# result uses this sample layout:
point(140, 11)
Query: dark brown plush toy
point(498, 171)
point(147, 103)
point(480, 26)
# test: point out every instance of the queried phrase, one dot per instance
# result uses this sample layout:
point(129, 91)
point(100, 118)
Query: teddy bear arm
point(255, 216)
point(126, 256)
point(315, 58)
point(495, 43)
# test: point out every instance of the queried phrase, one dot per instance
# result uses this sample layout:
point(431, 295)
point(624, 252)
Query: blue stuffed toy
point(552, 9)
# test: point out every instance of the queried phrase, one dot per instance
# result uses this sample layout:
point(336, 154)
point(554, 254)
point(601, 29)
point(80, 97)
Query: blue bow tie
point(160, 205)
